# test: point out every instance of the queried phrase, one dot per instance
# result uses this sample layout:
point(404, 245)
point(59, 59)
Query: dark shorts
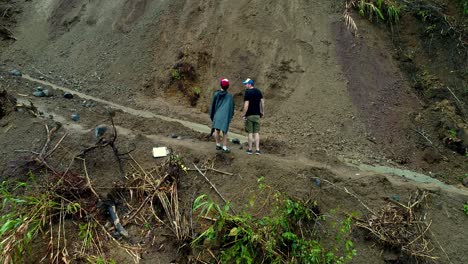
point(252, 124)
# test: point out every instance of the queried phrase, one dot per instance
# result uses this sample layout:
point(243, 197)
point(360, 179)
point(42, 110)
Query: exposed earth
point(348, 109)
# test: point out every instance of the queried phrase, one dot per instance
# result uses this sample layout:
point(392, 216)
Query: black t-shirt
point(254, 97)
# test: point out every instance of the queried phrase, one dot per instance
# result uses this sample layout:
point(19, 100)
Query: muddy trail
point(137, 113)
point(365, 122)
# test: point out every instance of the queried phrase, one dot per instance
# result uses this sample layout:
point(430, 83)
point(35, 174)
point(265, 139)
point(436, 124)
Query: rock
point(87, 103)
point(179, 138)
point(47, 92)
point(75, 117)
point(396, 197)
point(41, 78)
point(318, 182)
point(39, 94)
point(68, 95)
point(99, 131)
point(16, 73)
point(39, 88)
point(465, 182)
point(174, 135)
point(236, 141)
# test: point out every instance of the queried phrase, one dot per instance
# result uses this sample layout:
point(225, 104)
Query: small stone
point(174, 135)
point(41, 78)
point(465, 182)
point(236, 141)
point(16, 73)
point(318, 182)
point(39, 88)
point(75, 117)
point(68, 95)
point(396, 197)
point(38, 94)
point(179, 138)
point(100, 130)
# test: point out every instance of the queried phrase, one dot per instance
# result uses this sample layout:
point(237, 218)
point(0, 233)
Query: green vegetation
point(23, 219)
point(452, 134)
point(196, 91)
point(175, 74)
point(465, 209)
point(29, 217)
point(291, 233)
point(388, 10)
point(379, 9)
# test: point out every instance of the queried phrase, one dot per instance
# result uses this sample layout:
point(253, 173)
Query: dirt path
point(141, 113)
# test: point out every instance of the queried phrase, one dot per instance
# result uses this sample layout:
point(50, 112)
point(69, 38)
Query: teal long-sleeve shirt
point(222, 110)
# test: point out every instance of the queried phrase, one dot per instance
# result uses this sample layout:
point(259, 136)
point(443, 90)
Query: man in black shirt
point(253, 111)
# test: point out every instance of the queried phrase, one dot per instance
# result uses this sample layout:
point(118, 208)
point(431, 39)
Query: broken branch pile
point(402, 227)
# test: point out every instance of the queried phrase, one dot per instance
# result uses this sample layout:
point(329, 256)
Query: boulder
point(75, 117)
point(38, 94)
point(68, 95)
point(16, 73)
point(99, 131)
point(465, 182)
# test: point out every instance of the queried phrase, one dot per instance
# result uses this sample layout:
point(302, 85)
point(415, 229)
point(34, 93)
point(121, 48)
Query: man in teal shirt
point(221, 113)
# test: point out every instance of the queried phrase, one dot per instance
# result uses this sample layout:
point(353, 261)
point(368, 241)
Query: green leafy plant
point(465, 209)
point(373, 9)
point(23, 219)
point(452, 134)
point(30, 214)
point(286, 235)
point(177, 161)
point(379, 9)
point(175, 74)
point(196, 91)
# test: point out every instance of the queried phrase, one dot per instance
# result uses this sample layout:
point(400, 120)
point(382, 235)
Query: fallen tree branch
point(213, 186)
point(215, 170)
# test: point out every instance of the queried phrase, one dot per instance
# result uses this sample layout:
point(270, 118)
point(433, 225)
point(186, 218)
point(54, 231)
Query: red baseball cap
point(224, 82)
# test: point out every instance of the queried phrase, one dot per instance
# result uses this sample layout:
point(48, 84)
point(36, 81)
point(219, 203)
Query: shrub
point(288, 234)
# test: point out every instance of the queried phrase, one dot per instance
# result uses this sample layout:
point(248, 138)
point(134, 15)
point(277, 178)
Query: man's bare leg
point(216, 136)
point(225, 139)
point(251, 139)
point(257, 140)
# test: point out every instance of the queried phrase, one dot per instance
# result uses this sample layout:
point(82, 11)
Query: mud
point(329, 97)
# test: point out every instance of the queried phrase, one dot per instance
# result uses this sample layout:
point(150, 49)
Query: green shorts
point(252, 124)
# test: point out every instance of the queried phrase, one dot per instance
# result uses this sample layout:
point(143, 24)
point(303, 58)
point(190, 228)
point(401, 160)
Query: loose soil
point(330, 97)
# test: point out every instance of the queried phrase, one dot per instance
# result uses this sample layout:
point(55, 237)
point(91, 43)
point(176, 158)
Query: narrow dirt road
point(141, 113)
